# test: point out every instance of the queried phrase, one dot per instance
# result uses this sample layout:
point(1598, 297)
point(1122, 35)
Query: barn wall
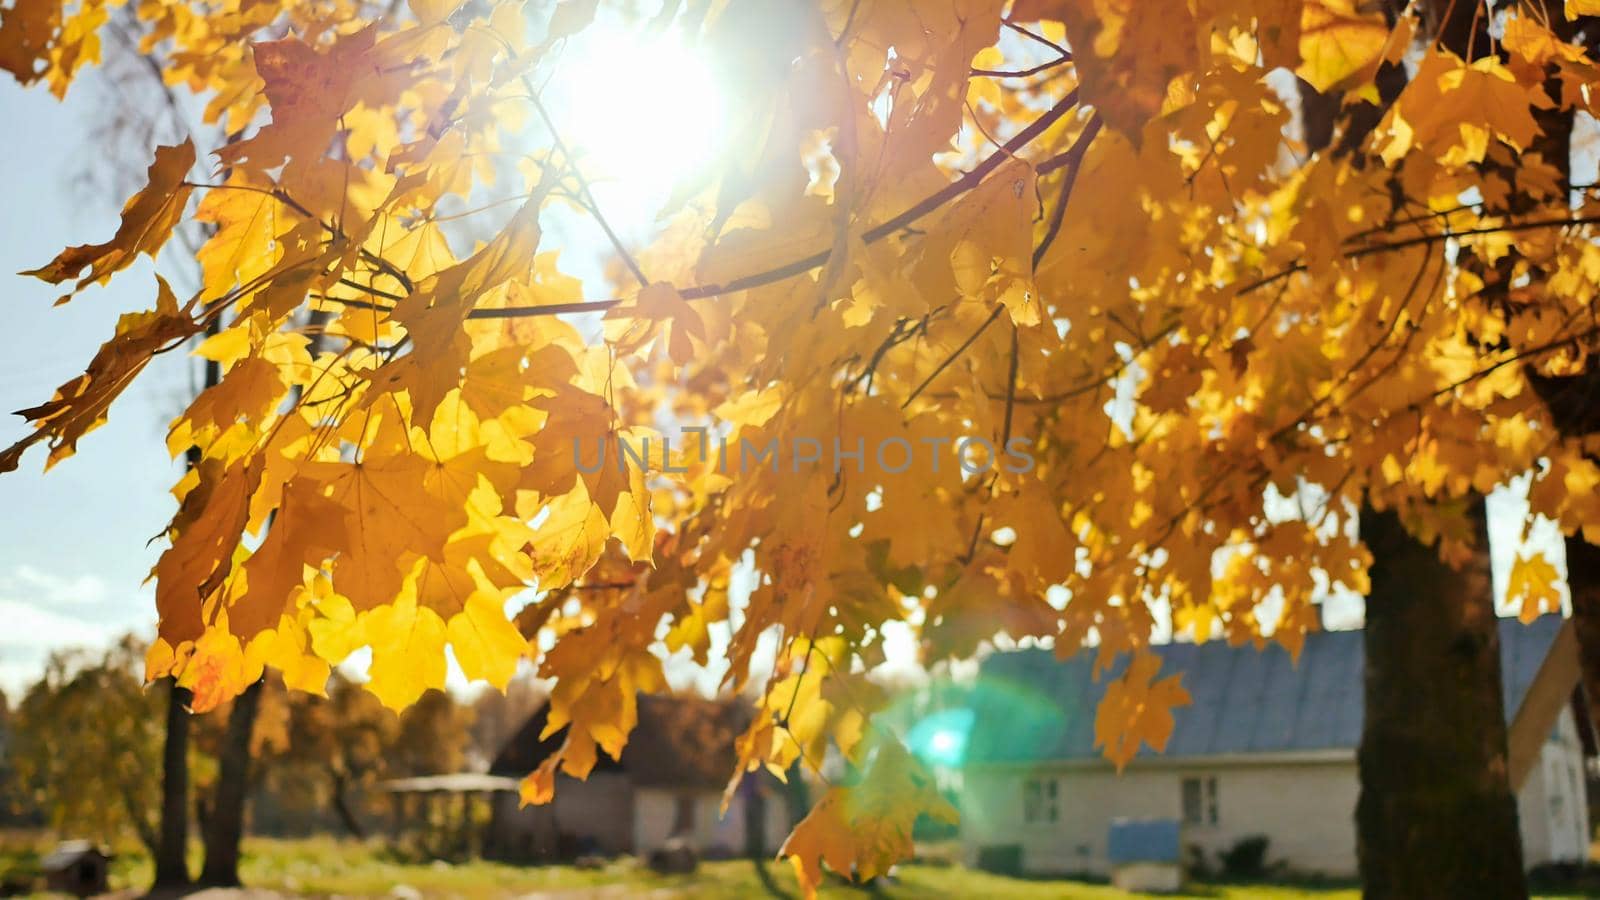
point(600, 809)
point(655, 815)
point(778, 822)
point(517, 832)
point(715, 834)
point(596, 815)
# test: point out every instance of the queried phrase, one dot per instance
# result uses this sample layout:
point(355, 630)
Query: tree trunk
point(755, 815)
point(171, 856)
point(172, 866)
point(1583, 580)
point(138, 813)
point(1436, 818)
point(224, 825)
point(796, 795)
point(341, 805)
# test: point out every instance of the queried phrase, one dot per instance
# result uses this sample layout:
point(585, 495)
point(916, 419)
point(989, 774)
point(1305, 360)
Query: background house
point(669, 782)
point(1266, 748)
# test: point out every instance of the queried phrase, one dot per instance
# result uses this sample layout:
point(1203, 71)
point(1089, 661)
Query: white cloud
point(41, 612)
point(74, 590)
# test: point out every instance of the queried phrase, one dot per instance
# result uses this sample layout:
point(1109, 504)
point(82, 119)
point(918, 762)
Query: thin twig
point(1424, 239)
point(1011, 388)
point(1022, 73)
point(945, 363)
point(1037, 38)
point(583, 186)
point(1073, 158)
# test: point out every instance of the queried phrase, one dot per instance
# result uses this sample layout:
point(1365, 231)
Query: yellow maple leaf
point(1125, 57)
point(486, 644)
point(1340, 41)
point(1576, 8)
point(81, 404)
point(860, 830)
point(407, 651)
point(147, 222)
point(1452, 108)
point(1137, 710)
point(1535, 585)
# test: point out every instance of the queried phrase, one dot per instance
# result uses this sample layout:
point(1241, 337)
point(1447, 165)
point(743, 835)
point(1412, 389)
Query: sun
point(944, 743)
point(640, 108)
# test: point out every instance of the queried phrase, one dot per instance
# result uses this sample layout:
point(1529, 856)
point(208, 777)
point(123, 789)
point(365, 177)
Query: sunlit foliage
point(1093, 232)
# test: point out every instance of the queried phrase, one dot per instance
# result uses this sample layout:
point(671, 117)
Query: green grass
point(326, 867)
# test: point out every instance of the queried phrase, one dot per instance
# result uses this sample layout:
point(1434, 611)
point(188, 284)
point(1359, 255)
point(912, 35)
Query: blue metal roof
point(1032, 707)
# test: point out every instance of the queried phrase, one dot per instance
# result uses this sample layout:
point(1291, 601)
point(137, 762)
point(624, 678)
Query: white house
point(668, 783)
point(1266, 748)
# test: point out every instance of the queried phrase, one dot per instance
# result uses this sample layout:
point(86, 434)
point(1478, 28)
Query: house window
point(1039, 800)
point(1200, 801)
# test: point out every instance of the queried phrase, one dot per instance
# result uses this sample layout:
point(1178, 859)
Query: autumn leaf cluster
point(1229, 273)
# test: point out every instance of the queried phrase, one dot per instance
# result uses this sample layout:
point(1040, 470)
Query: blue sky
point(73, 545)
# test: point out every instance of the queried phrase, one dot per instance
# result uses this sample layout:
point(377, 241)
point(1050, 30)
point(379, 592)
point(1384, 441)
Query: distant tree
point(432, 739)
point(497, 716)
point(87, 744)
point(326, 753)
point(14, 806)
point(334, 749)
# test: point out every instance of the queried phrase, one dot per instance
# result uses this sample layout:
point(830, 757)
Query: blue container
point(1146, 840)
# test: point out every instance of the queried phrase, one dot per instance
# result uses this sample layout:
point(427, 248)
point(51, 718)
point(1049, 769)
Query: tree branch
point(1423, 239)
point(945, 363)
point(1037, 38)
point(1022, 73)
point(1073, 158)
point(800, 266)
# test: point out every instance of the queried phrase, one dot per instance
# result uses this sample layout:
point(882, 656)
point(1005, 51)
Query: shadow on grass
point(768, 882)
point(1303, 884)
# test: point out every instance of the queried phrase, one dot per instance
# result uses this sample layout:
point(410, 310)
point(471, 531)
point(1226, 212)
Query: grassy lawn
point(327, 867)
point(363, 874)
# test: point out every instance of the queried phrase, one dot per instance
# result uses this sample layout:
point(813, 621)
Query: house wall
point(1305, 807)
point(1552, 805)
point(522, 833)
point(595, 814)
point(715, 834)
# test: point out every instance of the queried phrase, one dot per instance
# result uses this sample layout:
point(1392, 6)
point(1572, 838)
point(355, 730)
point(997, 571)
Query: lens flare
point(640, 108)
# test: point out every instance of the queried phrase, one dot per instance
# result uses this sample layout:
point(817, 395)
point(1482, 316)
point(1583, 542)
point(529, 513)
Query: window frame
point(1041, 801)
point(1198, 800)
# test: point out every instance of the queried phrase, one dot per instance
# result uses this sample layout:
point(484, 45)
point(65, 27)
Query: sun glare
point(642, 109)
point(940, 738)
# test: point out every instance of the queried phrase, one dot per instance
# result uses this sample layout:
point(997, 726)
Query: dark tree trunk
point(138, 814)
point(1436, 818)
point(172, 866)
point(755, 816)
point(171, 856)
point(341, 805)
point(796, 795)
point(224, 826)
point(1583, 580)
